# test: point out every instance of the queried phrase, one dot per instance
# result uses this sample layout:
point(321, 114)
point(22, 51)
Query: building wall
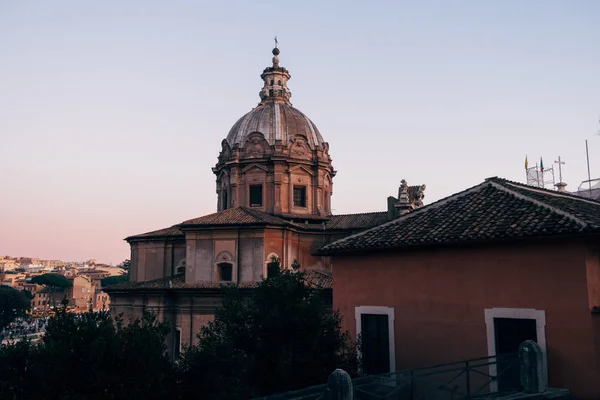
point(243, 248)
point(289, 245)
point(183, 312)
point(83, 293)
point(154, 259)
point(439, 297)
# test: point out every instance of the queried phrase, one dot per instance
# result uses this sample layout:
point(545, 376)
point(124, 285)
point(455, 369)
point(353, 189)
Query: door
point(375, 346)
point(510, 333)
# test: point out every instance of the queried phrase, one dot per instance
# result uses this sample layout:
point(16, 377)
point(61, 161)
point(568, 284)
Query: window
point(300, 196)
point(225, 272)
point(279, 83)
point(177, 344)
point(224, 198)
point(270, 92)
point(273, 269)
point(256, 195)
point(272, 82)
point(281, 93)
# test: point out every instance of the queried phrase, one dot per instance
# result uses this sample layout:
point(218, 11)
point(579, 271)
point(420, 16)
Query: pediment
point(222, 174)
point(255, 166)
point(302, 167)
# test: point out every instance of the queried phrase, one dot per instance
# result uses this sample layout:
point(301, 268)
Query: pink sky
point(112, 113)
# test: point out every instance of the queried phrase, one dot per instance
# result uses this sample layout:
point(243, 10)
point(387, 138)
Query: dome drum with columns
point(274, 158)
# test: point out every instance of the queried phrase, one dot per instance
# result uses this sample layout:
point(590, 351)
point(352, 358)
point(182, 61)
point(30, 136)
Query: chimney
point(403, 204)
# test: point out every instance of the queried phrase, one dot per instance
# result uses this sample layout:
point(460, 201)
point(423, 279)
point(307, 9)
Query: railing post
point(340, 385)
point(468, 372)
point(531, 362)
point(412, 384)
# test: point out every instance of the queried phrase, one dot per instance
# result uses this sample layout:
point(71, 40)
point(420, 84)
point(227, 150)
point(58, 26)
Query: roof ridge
point(411, 214)
point(261, 215)
point(358, 213)
point(554, 193)
point(537, 202)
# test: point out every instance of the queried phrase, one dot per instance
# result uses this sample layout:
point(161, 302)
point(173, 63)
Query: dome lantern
point(275, 82)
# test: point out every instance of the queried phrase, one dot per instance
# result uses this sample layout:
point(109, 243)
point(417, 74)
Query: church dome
point(278, 122)
point(274, 117)
point(274, 159)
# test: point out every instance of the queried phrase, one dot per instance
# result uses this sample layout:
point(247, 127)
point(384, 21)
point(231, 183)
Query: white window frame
point(378, 310)
point(519, 313)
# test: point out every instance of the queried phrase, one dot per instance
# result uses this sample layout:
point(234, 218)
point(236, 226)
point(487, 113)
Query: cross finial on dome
point(275, 79)
point(276, 54)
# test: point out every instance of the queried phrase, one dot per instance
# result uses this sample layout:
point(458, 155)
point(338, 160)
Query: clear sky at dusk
point(112, 112)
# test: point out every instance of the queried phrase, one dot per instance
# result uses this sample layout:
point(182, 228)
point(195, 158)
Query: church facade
point(274, 183)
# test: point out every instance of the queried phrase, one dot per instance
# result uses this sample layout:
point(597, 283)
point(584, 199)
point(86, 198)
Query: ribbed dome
point(277, 122)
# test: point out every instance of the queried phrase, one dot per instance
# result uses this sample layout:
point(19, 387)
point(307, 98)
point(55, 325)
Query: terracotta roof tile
point(177, 282)
point(319, 279)
point(494, 210)
point(316, 278)
point(241, 216)
point(171, 232)
point(357, 221)
point(235, 216)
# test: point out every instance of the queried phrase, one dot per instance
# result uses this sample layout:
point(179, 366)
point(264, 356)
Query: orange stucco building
point(478, 271)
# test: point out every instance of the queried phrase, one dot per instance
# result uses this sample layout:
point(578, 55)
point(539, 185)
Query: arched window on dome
point(272, 82)
point(224, 204)
point(279, 83)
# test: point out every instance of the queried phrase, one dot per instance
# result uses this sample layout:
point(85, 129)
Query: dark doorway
point(375, 346)
point(510, 333)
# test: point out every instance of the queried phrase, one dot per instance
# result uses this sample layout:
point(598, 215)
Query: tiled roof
point(497, 209)
point(319, 279)
point(171, 232)
point(241, 216)
point(316, 278)
point(235, 216)
point(357, 221)
point(176, 282)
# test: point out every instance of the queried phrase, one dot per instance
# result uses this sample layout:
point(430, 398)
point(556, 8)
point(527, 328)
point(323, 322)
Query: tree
point(90, 356)
point(53, 282)
point(13, 303)
point(281, 338)
point(123, 277)
point(113, 280)
point(125, 266)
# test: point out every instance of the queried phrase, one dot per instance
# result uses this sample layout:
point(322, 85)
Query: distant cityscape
point(85, 293)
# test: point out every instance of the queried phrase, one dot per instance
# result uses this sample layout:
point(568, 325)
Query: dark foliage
point(13, 303)
point(53, 280)
point(113, 280)
point(89, 356)
point(280, 339)
point(126, 266)
point(124, 277)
